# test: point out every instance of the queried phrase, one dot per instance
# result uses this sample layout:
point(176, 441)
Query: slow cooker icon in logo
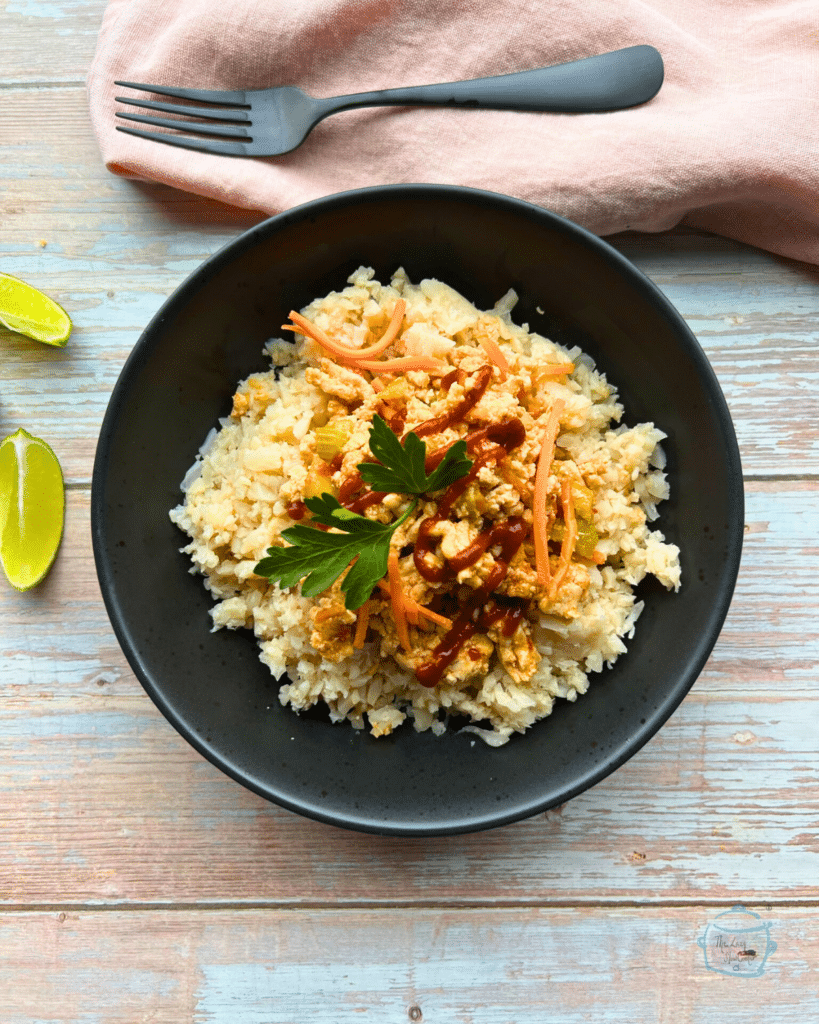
point(737, 942)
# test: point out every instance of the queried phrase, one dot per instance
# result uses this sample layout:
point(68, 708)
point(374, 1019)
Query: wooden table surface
point(138, 883)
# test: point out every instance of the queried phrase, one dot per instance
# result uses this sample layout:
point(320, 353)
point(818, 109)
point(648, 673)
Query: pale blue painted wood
point(460, 966)
point(761, 373)
point(102, 803)
point(721, 805)
point(769, 644)
point(48, 40)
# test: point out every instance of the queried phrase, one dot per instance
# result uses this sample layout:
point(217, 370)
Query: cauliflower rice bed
point(251, 471)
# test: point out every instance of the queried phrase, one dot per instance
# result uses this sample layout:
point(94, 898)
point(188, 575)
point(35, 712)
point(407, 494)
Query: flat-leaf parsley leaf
point(401, 468)
point(318, 557)
point(322, 557)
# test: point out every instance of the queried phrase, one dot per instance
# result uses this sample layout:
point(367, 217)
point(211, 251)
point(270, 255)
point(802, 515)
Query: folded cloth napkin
point(728, 145)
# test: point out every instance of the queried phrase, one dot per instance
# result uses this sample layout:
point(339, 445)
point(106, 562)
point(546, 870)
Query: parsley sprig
point(319, 558)
point(402, 465)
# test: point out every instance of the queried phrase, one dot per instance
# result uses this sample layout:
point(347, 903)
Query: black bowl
point(180, 378)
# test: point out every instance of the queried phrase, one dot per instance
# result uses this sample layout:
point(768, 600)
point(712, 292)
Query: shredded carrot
point(492, 349)
point(362, 621)
point(391, 333)
point(427, 613)
point(569, 536)
point(515, 481)
point(419, 609)
point(327, 613)
point(301, 325)
point(410, 609)
point(551, 370)
point(541, 516)
point(596, 558)
point(404, 363)
point(359, 358)
point(397, 599)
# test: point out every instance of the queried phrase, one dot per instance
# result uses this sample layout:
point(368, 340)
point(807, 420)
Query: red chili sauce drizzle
point(503, 438)
point(353, 483)
point(486, 444)
point(349, 486)
point(473, 618)
point(470, 399)
point(496, 441)
point(509, 434)
point(366, 499)
point(394, 418)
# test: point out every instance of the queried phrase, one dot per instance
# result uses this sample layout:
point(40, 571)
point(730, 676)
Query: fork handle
point(608, 81)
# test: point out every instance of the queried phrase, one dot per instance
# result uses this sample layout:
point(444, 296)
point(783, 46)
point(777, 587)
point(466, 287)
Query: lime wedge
point(32, 508)
point(26, 310)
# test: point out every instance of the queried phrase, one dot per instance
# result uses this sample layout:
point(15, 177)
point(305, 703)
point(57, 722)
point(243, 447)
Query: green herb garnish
point(319, 558)
point(402, 465)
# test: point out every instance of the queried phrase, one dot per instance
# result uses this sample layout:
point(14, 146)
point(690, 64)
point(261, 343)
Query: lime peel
point(26, 310)
point(32, 508)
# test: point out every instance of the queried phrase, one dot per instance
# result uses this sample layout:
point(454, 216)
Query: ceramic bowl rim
point(177, 300)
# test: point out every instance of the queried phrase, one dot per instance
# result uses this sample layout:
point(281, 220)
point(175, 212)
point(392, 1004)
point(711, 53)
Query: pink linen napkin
point(729, 144)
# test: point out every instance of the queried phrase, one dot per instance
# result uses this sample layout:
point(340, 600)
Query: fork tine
point(231, 99)
point(217, 148)
point(219, 130)
point(234, 115)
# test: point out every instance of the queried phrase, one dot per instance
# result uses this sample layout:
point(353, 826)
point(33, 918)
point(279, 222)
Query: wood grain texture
point(48, 41)
point(56, 640)
point(757, 319)
point(138, 883)
point(517, 966)
point(130, 244)
point(110, 251)
point(108, 804)
point(723, 803)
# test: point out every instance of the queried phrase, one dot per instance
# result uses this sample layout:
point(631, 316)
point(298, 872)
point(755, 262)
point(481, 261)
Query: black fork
point(269, 122)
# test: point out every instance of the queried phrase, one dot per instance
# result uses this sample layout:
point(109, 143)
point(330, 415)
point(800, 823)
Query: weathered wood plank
point(723, 803)
point(116, 249)
point(770, 641)
point(110, 251)
point(755, 316)
point(102, 801)
point(522, 966)
point(56, 640)
point(49, 40)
